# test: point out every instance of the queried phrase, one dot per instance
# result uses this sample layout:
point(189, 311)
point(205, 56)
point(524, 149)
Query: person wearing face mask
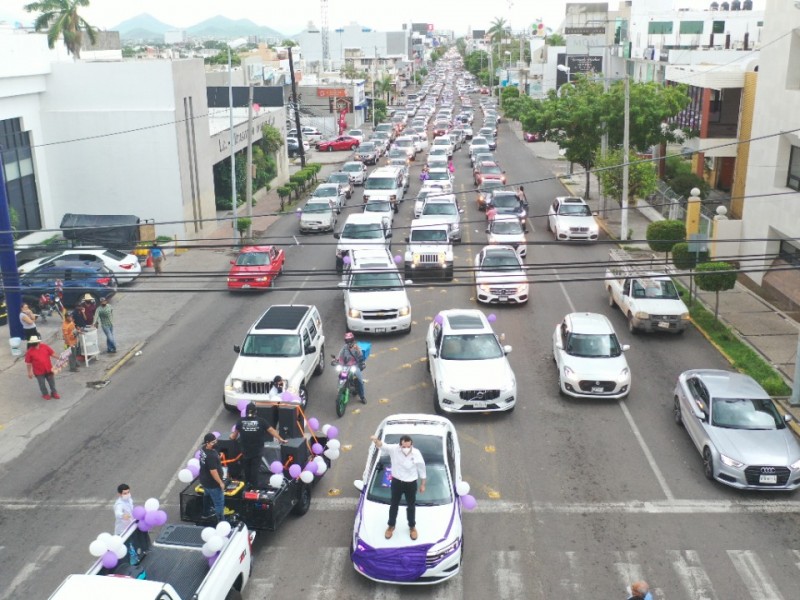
point(408, 468)
point(123, 509)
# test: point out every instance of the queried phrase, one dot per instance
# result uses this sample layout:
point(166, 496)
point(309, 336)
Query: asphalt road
point(576, 498)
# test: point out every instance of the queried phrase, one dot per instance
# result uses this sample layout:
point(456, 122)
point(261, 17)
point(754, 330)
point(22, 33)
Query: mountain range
point(147, 28)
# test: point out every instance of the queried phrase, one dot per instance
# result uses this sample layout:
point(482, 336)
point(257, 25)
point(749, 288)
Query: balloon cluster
point(191, 471)
point(109, 549)
point(468, 502)
point(149, 515)
point(214, 538)
point(314, 467)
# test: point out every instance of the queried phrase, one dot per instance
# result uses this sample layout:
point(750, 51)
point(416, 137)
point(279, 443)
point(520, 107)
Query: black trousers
point(250, 467)
point(409, 488)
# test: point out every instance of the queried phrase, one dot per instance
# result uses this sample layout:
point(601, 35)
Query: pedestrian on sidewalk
point(28, 320)
point(158, 258)
point(82, 322)
point(105, 317)
point(38, 359)
point(123, 509)
point(70, 335)
point(90, 306)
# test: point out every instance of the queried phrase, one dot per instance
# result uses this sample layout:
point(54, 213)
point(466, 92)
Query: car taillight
point(104, 280)
point(126, 265)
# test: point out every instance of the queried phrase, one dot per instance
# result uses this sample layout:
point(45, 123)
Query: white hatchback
point(125, 266)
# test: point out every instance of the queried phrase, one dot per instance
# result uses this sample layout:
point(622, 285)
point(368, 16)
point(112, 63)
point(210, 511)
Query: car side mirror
point(507, 349)
point(341, 285)
point(337, 235)
point(461, 211)
point(488, 230)
point(233, 262)
point(237, 349)
point(389, 233)
point(359, 484)
point(788, 418)
point(625, 347)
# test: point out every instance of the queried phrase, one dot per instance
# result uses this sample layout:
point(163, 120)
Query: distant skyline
point(456, 15)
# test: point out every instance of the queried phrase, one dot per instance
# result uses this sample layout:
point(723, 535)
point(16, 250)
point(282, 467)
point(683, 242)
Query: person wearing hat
point(105, 317)
point(251, 431)
point(38, 359)
point(211, 480)
point(90, 306)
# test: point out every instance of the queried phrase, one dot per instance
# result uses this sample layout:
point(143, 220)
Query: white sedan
point(436, 555)
point(125, 266)
point(500, 276)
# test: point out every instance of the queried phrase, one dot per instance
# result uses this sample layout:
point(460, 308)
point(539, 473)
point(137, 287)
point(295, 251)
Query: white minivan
point(385, 183)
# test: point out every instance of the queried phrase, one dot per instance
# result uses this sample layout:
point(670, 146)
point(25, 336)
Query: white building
point(372, 44)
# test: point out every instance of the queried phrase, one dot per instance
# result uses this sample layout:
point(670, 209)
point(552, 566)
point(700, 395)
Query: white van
point(385, 183)
point(363, 231)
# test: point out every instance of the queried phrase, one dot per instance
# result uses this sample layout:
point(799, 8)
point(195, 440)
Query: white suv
point(468, 365)
point(570, 218)
point(375, 299)
point(429, 250)
point(287, 340)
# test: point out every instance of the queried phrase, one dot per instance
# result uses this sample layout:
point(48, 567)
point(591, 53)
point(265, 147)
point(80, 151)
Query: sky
point(293, 16)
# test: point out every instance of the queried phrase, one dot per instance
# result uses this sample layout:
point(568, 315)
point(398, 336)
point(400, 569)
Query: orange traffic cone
point(149, 261)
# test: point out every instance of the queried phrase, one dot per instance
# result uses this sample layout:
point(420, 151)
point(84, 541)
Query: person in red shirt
point(38, 358)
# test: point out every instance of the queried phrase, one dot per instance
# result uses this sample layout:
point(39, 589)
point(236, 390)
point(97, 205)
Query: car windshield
point(491, 169)
point(339, 178)
point(378, 206)
point(479, 141)
point(603, 345)
point(652, 288)
point(500, 261)
point(506, 227)
point(438, 485)
point(376, 280)
point(252, 259)
point(745, 413)
point(577, 210)
point(354, 168)
point(271, 345)
point(505, 201)
point(326, 192)
point(479, 346)
point(115, 254)
point(380, 183)
point(428, 235)
point(440, 208)
point(439, 176)
point(441, 141)
point(317, 207)
point(404, 143)
point(362, 231)
point(491, 184)
point(438, 151)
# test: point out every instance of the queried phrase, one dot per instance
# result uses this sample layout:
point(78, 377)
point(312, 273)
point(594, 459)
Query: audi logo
point(767, 469)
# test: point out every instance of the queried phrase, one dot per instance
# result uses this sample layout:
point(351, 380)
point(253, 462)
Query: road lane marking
point(570, 584)
point(507, 575)
point(329, 582)
point(693, 576)
point(662, 481)
point(758, 582)
point(37, 565)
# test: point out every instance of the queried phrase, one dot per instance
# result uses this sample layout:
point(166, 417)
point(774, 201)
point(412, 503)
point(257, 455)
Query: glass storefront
point(23, 198)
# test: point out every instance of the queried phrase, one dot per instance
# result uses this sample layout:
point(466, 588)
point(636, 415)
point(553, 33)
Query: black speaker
point(297, 449)
point(288, 425)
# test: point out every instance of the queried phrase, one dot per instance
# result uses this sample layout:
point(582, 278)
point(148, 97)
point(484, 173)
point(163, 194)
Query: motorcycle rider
point(352, 355)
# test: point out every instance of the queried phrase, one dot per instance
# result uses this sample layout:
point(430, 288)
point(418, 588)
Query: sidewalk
point(768, 330)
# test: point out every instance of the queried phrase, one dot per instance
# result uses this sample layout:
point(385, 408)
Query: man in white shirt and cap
point(408, 467)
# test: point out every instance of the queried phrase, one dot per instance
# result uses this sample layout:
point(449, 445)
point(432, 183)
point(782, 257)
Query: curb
point(121, 362)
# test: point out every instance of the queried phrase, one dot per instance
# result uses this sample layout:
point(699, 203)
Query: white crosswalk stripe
point(629, 570)
point(40, 560)
point(334, 562)
point(260, 587)
point(693, 577)
point(572, 588)
point(754, 574)
point(508, 575)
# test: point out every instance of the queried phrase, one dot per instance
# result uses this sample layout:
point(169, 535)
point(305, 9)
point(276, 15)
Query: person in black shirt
point(211, 479)
point(253, 431)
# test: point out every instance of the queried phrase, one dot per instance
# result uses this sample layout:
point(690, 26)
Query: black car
point(77, 279)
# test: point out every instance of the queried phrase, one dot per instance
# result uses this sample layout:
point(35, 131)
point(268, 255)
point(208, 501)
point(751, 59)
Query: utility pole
point(626, 142)
point(296, 106)
point(232, 137)
point(604, 139)
point(249, 180)
point(8, 261)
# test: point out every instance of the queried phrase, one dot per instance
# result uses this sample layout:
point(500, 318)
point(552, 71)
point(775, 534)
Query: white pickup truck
point(648, 299)
point(173, 568)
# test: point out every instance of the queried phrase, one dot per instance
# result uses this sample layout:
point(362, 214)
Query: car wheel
point(321, 364)
point(611, 302)
point(631, 327)
point(547, 225)
point(408, 331)
point(329, 148)
point(233, 594)
point(708, 463)
point(303, 393)
point(228, 407)
point(436, 405)
point(303, 500)
point(676, 412)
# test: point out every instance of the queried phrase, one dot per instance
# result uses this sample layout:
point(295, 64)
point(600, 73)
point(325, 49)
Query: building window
point(659, 27)
point(789, 252)
point(691, 27)
point(793, 180)
point(718, 27)
point(23, 198)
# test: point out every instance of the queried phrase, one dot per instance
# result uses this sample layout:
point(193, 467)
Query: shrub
point(715, 277)
point(663, 235)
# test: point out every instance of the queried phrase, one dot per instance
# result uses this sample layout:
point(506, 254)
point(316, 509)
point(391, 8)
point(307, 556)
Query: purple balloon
point(109, 560)
point(276, 467)
point(151, 518)
point(299, 213)
point(347, 260)
point(317, 448)
point(398, 259)
point(311, 466)
point(438, 319)
point(241, 405)
point(491, 318)
point(289, 397)
point(217, 434)
point(313, 423)
point(194, 470)
point(233, 427)
point(243, 414)
point(468, 502)
point(144, 526)
point(213, 559)
point(138, 512)
point(197, 455)
point(332, 432)
point(295, 470)
point(161, 517)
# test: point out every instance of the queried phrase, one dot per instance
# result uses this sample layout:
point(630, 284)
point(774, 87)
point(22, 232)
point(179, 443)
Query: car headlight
point(623, 375)
point(569, 373)
point(442, 552)
point(522, 288)
point(727, 460)
point(642, 315)
point(237, 385)
point(452, 389)
point(685, 317)
point(795, 465)
point(354, 314)
point(405, 311)
point(484, 287)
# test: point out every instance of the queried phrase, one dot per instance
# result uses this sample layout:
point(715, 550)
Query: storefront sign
point(331, 92)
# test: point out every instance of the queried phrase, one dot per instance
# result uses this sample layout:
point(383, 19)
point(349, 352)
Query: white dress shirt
point(405, 467)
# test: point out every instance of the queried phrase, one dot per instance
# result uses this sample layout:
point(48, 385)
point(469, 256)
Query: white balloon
point(223, 528)
point(207, 533)
point(319, 460)
point(207, 552)
point(185, 476)
point(332, 454)
point(334, 444)
point(104, 537)
point(151, 505)
point(276, 481)
point(97, 548)
point(306, 477)
point(193, 462)
point(216, 543)
point(462, 488)
point(120, 552)
point(325, 429)
point(321, 469)
point(116, 542)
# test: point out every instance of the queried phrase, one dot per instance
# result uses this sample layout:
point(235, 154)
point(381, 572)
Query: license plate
point(768, 479)
point(503, 299)
point(663, 324)
point(380, 330)
point(245, 285)
point(597, 389)
point(479, 404)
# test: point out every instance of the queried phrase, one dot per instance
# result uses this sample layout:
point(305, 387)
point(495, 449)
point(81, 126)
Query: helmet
point(251, 408)
point(349, 337)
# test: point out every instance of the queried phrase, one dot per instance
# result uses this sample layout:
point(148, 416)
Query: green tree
point(642, 177)
point(516, 106)
point(573, 119)
point(461, 47)
point(271, 139)
point(497, 30)
point(383, 86)
point(287, 43)
point(679, 176)
point(687, 261)
point(221, 58)
point(716, 277)
point(663, 235)
point(61, 19)
point(555, 39)
point(380, 111)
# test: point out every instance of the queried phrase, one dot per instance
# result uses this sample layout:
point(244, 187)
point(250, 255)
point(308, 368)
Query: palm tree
point(384, 86)
point(498, 30)
point(61, 18)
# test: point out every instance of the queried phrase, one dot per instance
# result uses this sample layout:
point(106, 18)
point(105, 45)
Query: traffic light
point(538, 28)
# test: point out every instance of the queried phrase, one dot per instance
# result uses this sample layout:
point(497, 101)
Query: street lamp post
point(565, 69)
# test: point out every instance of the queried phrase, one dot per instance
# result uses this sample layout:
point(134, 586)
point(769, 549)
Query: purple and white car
point(437, 553)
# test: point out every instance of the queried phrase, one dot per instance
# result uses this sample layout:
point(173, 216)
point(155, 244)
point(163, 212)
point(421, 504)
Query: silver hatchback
point(734, 424)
